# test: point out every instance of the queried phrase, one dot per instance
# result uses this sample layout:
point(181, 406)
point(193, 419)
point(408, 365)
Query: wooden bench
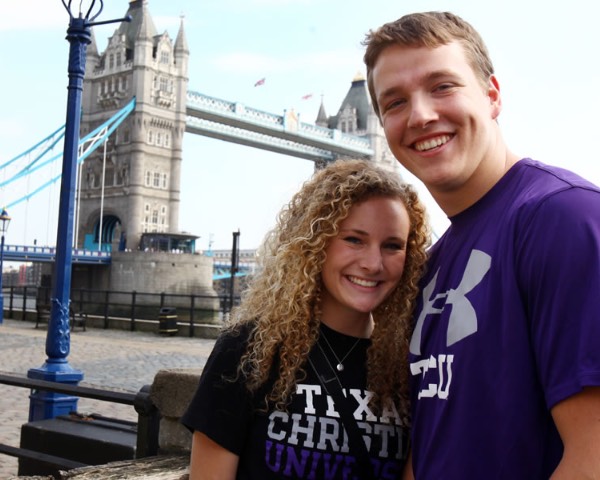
point(43, 315)
point(77, 319)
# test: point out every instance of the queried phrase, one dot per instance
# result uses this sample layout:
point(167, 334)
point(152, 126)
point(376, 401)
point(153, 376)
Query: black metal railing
point(28, 301)
point(147, 425)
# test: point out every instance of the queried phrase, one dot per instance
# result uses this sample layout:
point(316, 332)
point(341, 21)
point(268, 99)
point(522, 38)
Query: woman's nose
point(372, 261)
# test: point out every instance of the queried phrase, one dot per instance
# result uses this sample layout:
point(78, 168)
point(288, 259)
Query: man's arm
point(578, 422)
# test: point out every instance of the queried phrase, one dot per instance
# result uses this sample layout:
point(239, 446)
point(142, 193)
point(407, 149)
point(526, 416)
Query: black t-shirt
point(306, 442)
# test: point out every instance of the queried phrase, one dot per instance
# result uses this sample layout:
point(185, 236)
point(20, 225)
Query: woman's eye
point(353, 240)
point(394, 246)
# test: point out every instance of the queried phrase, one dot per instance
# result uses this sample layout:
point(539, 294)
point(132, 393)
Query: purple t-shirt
point(507, 325)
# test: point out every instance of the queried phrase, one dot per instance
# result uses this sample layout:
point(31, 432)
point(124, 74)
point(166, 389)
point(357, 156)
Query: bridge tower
point(141, 164)
point(357, 117)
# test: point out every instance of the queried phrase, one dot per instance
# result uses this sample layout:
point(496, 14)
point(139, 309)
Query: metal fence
point(137, 310)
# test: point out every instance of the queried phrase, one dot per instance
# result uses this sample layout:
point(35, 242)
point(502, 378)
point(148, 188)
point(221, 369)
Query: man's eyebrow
point(430, 77)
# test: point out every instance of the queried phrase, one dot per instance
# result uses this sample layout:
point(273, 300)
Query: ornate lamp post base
point(44, 404)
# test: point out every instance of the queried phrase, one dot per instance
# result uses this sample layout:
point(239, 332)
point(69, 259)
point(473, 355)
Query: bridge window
point(148, 178)
point(164, 57)
point(119, 176)
point(156, 182)
point(163, 210)
point(150, 137)
point(164, 180)
point(164, 84)
point(155, 217)
point(111, 61)
point(159, 139)
point(118, 59)
point(167, 139)
point(109, 177)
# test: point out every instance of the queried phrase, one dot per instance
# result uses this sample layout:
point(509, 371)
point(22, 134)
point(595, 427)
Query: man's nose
point(422, 112)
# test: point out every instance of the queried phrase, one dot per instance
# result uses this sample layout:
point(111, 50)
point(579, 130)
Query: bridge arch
point(107, 235)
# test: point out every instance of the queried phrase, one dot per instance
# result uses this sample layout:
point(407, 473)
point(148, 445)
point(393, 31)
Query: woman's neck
point(360, 327)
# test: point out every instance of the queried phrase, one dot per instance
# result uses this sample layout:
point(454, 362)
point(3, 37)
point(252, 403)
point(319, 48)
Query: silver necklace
point(340, 363)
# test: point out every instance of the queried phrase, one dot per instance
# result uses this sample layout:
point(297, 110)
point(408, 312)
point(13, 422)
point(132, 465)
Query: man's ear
point(493, 92)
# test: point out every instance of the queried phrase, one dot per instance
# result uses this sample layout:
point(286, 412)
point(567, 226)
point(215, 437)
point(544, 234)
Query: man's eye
point(443, 87)
point(395, 104)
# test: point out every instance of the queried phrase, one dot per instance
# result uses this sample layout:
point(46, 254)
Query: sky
point(544, 52)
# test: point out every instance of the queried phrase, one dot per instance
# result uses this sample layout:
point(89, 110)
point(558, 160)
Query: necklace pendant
point(339, 367)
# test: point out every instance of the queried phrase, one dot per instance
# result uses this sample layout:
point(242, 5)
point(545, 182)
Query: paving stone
point(112, 359)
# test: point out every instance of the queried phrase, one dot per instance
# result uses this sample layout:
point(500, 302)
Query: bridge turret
point(322, 119)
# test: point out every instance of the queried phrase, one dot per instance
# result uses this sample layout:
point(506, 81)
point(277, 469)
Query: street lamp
point(4, 223)
point(44, 404)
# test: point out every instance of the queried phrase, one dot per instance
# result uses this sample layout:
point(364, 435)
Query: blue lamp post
point(45, 404)
point(4, 223)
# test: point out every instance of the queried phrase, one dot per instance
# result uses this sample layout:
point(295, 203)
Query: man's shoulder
point(551, 178)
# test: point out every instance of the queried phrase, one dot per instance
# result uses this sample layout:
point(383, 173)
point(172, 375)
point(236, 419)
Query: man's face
point(438, 117)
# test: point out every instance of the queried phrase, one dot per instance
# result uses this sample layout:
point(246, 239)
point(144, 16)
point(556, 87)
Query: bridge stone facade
point(134, 186)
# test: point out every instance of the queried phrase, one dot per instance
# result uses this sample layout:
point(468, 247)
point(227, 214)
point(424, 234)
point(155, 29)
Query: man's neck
point(452, 202)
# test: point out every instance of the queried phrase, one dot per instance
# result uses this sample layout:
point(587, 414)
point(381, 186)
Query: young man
point(505, 355)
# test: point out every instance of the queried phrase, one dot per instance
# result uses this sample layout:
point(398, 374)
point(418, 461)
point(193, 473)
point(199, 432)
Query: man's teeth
point(431, 143)
point(362, 283)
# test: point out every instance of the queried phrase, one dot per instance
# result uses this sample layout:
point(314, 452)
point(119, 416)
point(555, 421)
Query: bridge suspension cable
point(87, 146)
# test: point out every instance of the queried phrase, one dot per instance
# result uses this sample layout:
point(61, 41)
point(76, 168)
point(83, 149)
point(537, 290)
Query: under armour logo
point(463, 318)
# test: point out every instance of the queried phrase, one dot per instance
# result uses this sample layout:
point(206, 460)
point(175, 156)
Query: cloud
point(265, 64)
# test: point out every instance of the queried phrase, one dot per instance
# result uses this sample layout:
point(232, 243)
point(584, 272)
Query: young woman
point(310, 379)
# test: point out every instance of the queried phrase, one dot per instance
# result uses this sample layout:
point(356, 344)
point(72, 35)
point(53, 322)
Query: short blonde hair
point(427, 29)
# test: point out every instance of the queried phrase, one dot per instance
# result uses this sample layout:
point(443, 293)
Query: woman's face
point(365, 260)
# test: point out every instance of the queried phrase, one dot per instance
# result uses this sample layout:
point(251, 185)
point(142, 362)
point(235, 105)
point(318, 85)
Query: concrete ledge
point(171, 392)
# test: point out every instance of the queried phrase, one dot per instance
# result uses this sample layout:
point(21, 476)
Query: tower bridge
point(131, 186)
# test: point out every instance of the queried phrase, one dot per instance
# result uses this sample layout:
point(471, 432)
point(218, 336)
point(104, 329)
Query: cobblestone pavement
point(108, 358)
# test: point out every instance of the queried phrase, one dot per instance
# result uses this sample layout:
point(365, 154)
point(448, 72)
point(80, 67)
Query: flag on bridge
point(260, 82)
point(306, 97)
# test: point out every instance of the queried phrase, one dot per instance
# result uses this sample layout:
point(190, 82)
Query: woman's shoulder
point(234, 338)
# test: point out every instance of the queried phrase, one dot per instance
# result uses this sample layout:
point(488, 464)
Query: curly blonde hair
point(281, 304)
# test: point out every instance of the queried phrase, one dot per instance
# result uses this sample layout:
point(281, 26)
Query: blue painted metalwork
point(45, 404)
point(35, 253)
point(88, 144)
